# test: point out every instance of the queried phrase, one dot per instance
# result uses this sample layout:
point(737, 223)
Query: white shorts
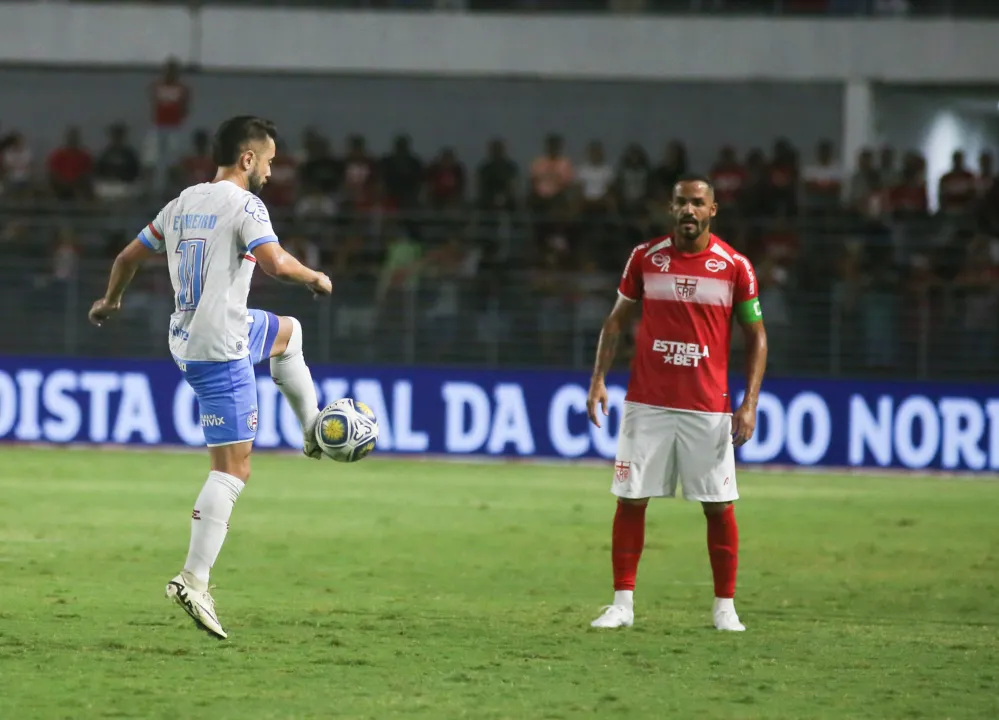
point(657, 448)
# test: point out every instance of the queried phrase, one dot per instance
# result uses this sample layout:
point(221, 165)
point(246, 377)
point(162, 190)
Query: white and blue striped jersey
point(209, 233)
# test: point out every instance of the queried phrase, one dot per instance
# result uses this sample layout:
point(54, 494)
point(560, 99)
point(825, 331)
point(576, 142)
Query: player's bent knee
point(714, 508)
point(633, 501)
point(288, 342)
point(232, 459)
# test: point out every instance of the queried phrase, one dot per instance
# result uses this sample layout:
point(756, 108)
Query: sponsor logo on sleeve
point(661, 261)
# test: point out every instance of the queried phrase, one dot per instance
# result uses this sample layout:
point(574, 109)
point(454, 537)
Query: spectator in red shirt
point(70, 169)
point(729, 178)
point(957, 189)
point(445, 181)
point(171, 100)
point(198, 167)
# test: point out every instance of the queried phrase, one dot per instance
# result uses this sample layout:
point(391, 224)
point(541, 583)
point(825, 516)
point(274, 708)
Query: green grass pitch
point(409, 589)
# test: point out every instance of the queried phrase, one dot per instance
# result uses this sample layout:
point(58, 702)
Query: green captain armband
point(749, 311)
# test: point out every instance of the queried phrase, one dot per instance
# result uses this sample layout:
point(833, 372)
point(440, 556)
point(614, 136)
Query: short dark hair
point(695, 177)
point(233, 135)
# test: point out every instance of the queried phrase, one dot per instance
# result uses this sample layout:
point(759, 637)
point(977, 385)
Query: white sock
point(292, 376)
point(210, 522)
point(722, 604)
point(625, 598)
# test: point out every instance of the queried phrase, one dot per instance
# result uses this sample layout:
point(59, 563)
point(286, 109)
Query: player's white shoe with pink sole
point(615, 616)
point(726, 617)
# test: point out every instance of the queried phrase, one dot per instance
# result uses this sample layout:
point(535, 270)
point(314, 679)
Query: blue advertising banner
point(540, 414)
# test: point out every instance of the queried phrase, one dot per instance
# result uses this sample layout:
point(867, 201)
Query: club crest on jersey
point(715, 265)
point(686, 288)
point(251, 421)
point(622, 471)
point(661, 261)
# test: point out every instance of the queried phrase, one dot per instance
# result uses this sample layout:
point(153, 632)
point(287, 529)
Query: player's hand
point(743, 424)
point(322, 285)
point(596, 396)
point(101, 310)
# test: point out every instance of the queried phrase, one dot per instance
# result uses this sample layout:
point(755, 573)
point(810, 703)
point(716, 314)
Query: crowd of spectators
point(851, 257)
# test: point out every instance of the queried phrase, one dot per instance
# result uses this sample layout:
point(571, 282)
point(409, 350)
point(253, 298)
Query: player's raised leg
point(292, 376)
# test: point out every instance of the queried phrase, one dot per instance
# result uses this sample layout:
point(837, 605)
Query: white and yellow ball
point(347, 430)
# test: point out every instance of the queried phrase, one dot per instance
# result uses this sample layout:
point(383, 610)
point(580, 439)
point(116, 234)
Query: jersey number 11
point(192, 260)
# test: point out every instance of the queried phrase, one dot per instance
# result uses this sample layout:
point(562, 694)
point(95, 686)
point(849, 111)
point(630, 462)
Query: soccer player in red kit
point(678, 425)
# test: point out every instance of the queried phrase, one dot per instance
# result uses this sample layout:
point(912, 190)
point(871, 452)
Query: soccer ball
point(347, 430)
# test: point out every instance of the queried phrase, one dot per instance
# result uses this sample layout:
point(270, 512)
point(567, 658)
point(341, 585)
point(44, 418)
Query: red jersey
point(729, 181)
point(69, 165)
point(684, 337)
point(169, 104)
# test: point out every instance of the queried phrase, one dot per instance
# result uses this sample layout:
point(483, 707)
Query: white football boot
point(615, 616)
point(310, 446)
point(726, 617)
point(199, 604)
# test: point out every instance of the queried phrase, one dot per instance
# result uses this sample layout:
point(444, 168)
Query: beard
point(256, 183)
point(691, 231)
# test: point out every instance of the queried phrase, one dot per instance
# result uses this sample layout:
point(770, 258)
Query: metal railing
point(482, 293)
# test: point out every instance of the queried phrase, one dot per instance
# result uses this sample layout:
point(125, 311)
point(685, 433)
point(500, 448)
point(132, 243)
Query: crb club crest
point(661, 261)
point(622, 471)
point(686, 288)
point(251, 421)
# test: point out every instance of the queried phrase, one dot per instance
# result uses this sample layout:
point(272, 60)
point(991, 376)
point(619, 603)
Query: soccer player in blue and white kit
point(213, 235)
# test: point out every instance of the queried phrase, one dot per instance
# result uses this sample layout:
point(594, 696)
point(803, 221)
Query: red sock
point(723, 548)
point(627, 541)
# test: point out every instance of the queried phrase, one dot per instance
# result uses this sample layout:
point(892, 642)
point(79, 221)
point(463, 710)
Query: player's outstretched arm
point(619, 319)
point(122, 272)
point(744, 419)
point(282, 265)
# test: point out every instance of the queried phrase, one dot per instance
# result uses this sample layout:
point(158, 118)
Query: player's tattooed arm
point(282, 265)
point(614, 327)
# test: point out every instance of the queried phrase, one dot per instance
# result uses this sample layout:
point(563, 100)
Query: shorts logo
point(251, 421)
point(212, 421)
point(715, 265)
point(661, 261)
point(686, 288)
point(239, 346)
point(622, 471)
